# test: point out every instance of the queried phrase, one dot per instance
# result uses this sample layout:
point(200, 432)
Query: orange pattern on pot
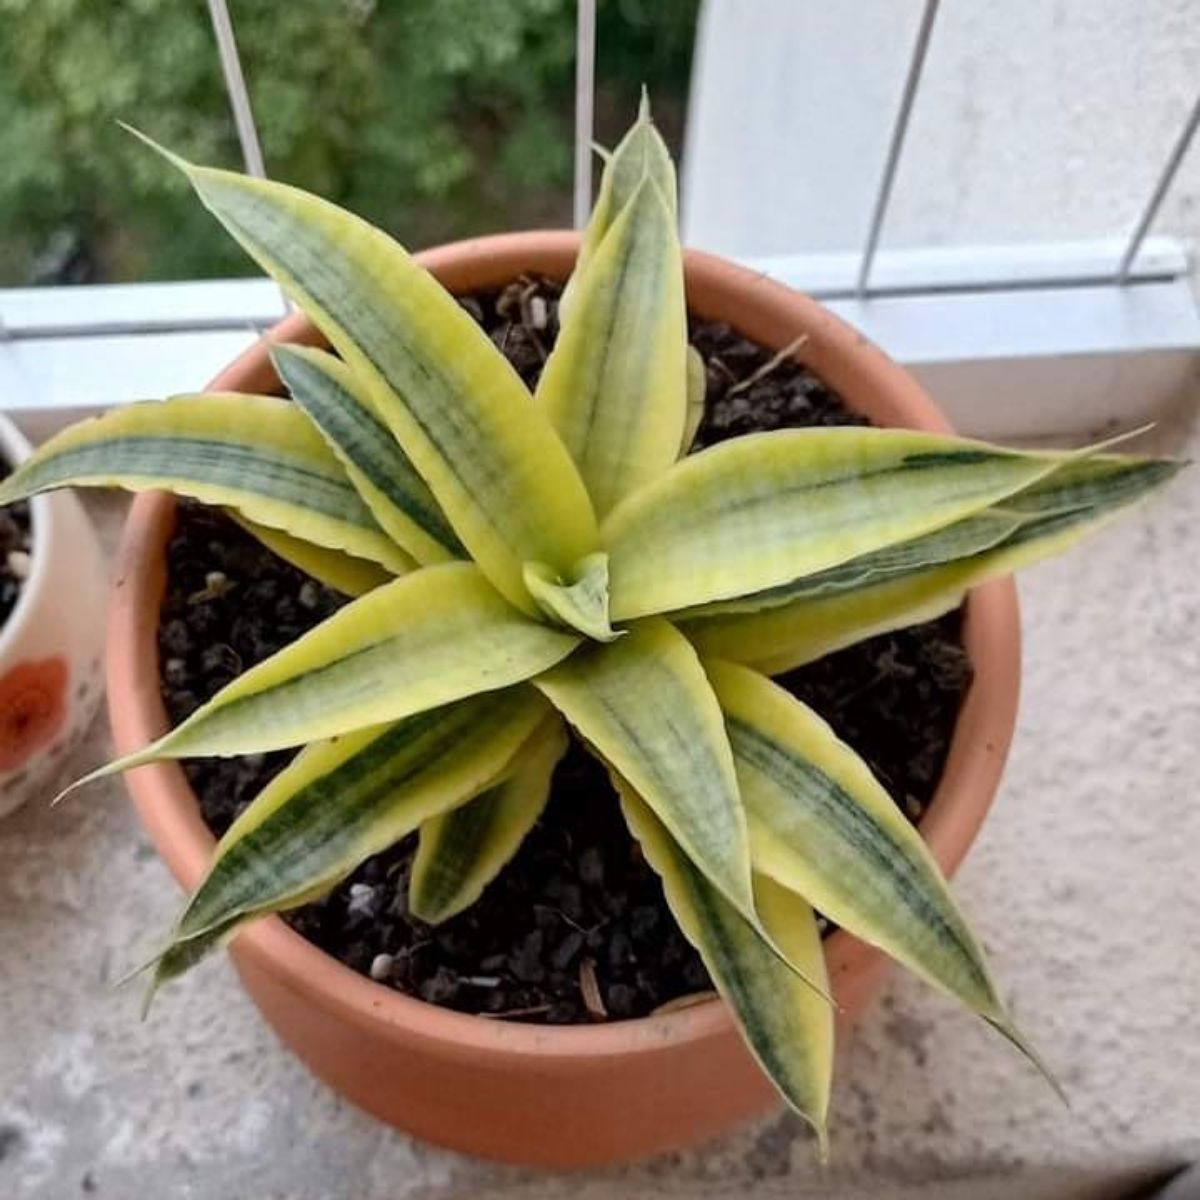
point(32, 709)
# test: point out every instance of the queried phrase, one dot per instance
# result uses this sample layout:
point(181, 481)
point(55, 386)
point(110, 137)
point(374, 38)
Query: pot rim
point(169, 809)
point(14, 449)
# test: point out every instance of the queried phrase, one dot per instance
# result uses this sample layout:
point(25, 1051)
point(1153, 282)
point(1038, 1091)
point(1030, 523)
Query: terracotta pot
point(50, 650)
point(562, 1095)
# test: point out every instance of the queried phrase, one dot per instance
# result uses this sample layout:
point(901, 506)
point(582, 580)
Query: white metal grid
point(235, 87)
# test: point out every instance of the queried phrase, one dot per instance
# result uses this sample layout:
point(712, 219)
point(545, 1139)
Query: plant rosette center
point(577, 600)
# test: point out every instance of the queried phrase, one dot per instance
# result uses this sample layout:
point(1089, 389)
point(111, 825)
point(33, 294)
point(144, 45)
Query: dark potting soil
point(16, 540)
point(575, 928)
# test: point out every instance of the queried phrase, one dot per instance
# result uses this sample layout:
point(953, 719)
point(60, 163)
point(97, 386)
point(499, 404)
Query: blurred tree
point(434, 118)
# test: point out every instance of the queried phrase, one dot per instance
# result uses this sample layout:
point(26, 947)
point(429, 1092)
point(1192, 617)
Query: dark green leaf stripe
point(786, 1024)
point(1093, 484)
point(181, 957)
point(1074, 495)
point(644, 703)
point(761, 511)
point(1127, 489)
point(258, 455)
point(377, 788)
point(748, 972)
point(827, 822)
point(463, 850)
point(463, 835)
point(960, 540)
point(821, 825)
point(181, 460)
point(365, 444)
point(437, 635)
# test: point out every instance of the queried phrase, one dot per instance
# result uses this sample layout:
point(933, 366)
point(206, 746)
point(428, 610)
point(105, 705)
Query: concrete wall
point(1036, 120)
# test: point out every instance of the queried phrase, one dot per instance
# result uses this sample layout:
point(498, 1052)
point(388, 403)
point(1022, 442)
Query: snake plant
point(524, 562)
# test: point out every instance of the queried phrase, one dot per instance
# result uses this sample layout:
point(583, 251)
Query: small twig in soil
point(767, 367)
point(589, 989)
point(573, 924)
point(562, 916)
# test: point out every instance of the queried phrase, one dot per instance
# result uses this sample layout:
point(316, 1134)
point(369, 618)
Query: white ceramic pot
point(50, 646)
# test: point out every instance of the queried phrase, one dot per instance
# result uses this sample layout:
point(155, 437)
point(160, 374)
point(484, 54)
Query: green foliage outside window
point(434, 118)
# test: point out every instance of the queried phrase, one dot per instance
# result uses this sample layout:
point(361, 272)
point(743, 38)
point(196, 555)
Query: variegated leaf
point(786, 1024)
point(389, 484)
point(463, 850)
point(437, 635)
point(615, 384)
point(1097, 484)
point(340, 801)
point(963, 539)
point(849, 604)
point(180, 957)
point(343, 572)
point(759, 511)
point(257, 454)
point(641, 153)
point(823, 827)
point(458, 408)
point(644, 703)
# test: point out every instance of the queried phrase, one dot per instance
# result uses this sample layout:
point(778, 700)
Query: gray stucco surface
point(1083, 885)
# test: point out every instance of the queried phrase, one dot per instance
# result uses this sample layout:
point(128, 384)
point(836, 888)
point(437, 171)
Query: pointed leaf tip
point(140, 969)
point(787, 1027)
point(103, 772)
point(821, 1135)
point(1004, 1026)
point(615, 384)
point(176, 160)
